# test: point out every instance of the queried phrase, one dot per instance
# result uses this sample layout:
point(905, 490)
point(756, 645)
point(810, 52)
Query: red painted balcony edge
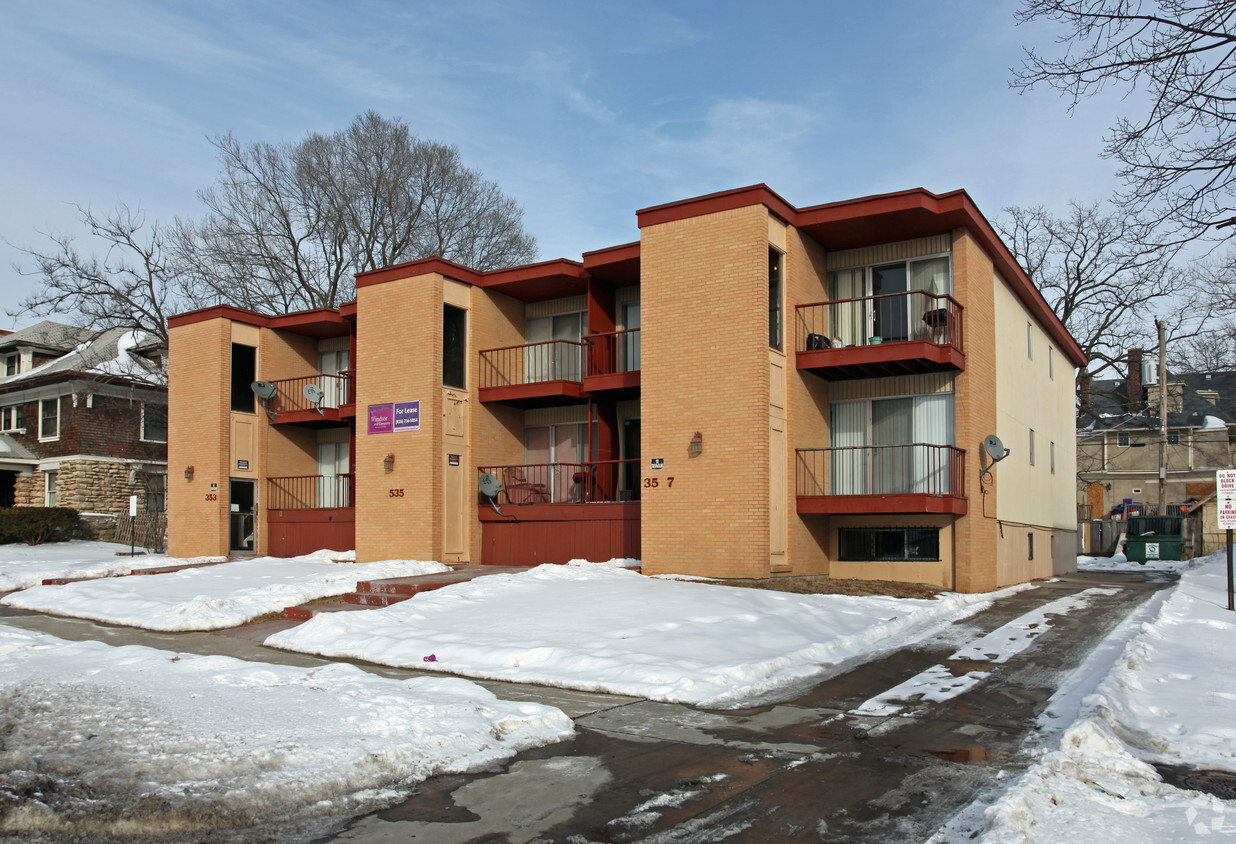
point(535, 390)
point(611, 381)
point(881, 353)
point(908, 504)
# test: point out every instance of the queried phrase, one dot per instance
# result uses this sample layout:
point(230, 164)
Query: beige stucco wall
point(1034, 391)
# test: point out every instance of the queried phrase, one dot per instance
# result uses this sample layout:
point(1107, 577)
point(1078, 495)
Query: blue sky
point(582, 111)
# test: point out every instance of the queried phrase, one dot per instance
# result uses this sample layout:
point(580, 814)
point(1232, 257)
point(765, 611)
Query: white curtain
point(847, 426)
point(848, 321)
point(892, 425)
point(929, 276)
point(933, 425)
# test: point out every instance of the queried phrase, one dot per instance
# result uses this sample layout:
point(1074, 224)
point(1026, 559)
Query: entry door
point(333, 462)
point(334, 390)
point(242, 510)
point(891, 319)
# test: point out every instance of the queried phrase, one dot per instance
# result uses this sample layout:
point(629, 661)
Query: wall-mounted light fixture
point(696, 446)
point(188, 473)
point(388, 462)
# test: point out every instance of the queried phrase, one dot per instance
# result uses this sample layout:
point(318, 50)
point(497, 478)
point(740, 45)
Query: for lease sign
point(1225, 494)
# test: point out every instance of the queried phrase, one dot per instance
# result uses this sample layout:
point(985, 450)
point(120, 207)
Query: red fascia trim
point(530, 272)
point(425, 266)
point(728, 200)
point(348, 309)
point(611, 255)
point(298, 318)
point(219, 312)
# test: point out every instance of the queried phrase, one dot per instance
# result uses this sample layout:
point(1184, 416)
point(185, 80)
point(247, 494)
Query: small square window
point(1173, 438)
point(1122, 439)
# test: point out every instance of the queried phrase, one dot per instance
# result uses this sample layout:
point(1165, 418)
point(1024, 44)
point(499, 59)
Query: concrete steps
point(382, 593)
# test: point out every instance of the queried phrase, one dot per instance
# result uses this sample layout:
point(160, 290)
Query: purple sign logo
point(407, 416)
point(381, 418)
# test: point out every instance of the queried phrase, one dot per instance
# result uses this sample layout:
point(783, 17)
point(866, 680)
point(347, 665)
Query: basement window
point(911, 544)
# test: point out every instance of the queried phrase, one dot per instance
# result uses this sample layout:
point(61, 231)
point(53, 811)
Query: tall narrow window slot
point(244, 373)
point(454, 346)
point(774, 298)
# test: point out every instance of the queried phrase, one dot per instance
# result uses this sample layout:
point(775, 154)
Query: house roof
point(47, 335)
point(11, 449)
point(1109, 403)
point(117, 353)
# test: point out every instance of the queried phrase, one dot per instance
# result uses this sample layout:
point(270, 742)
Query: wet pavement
point(804, 767)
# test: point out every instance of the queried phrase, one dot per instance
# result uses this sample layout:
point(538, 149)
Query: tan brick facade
point(727, 506)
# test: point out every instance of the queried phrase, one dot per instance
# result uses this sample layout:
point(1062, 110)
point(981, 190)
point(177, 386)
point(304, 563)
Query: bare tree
point(134, 284)
point(289, 225)
point(1104, 274)
point(1179, 157)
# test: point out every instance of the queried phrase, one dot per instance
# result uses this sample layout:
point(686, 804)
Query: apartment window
point(1122, 439)
point(1030, 546)
point(50, 480)
point(49, 419)
point(244, 373)
point(12, 364)
point(913, 544)
point(454, 346)
point(1051, 450)
point(909, 307)
point(1173, 438)
point(1031, 446)
point(12, 418)
point(154, 423)
point(775, 322)
point(1051, 363)
point(1029, 340)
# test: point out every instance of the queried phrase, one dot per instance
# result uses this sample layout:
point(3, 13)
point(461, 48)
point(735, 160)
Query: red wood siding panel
point(296, 532)
point(557, 533)
point(863, 504)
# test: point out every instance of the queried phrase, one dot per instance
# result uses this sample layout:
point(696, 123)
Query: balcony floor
point(912, 357)
point(908, 504)
point(330, 417)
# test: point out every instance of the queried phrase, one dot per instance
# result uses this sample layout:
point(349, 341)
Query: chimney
point(1083, 389)
point(1133, 381)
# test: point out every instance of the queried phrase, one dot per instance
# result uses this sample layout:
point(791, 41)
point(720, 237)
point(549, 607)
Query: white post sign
point(1225, 494)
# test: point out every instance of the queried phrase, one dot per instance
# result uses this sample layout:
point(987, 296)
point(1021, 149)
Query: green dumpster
point(1142, 549)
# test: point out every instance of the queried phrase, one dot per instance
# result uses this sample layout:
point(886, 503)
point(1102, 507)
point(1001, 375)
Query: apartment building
point(749, 390)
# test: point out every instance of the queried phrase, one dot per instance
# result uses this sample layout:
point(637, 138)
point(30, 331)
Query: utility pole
point(1162, 416)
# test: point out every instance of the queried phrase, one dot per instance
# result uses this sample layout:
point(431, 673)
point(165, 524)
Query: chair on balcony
point(519, 490)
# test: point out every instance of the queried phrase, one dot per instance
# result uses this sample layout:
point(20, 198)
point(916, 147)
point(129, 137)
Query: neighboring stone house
point(1118, 437)
point(83, 421)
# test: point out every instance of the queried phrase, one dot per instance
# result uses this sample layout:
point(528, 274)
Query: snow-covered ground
point(23, 566)
point(601, 628)
point(1121, 563)
point(1163, 694)
point(213, 597)
point(115, 741)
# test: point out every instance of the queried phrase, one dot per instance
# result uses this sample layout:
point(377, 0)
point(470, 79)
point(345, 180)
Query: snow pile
point(213, 597)
point(1167, 700)
point(22, 566)
point(126, 363)
point(601, 628)
point(1120, 563)
point(101, 740)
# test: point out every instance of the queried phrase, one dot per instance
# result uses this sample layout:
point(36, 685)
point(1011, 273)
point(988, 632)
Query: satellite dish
point(490, 488)
point(263, 389)
point(994, 448)
point(314, 394)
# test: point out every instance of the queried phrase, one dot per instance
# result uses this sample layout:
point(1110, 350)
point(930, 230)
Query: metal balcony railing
point(872, 320)
point(531, 363)
point(914, 469)
point(337, 390)
point(613, 351)
point(309, 492)
point(568, 483)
